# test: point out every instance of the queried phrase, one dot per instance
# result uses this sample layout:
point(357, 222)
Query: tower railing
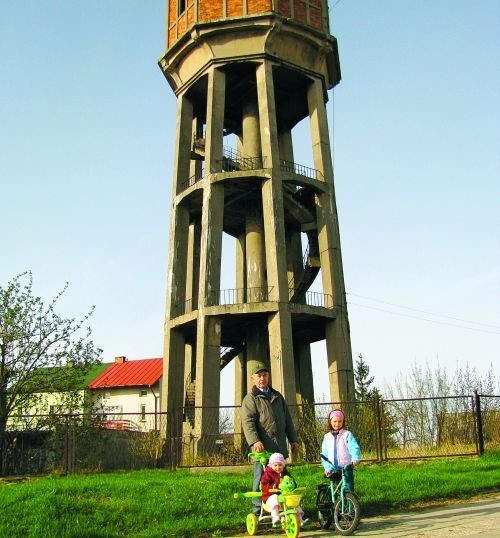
point(262, 294)
point(300, 169)
point(313, 298)
point(181, 308)
point(235, 161)
point(192, 180)
point(240, 295)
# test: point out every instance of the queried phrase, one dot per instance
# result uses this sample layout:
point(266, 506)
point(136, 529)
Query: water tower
point(245, 73)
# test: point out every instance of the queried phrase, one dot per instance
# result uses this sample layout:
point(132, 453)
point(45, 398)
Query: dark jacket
point(266, 418)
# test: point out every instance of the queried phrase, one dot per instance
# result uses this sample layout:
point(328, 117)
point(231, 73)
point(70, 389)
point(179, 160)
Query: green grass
point(160, 503)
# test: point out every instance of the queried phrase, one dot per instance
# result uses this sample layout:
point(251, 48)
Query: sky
point(87, 125)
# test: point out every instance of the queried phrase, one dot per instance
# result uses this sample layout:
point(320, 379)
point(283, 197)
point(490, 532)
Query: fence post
point(378, 415)
point(479, 423)
point(69, 445)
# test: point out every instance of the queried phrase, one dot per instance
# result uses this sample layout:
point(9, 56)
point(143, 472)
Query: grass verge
point(182, 504)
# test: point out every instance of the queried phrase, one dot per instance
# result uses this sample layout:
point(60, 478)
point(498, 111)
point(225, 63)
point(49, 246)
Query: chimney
point(121, 359)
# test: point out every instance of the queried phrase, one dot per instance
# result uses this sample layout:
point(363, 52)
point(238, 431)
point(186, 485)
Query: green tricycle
point(289, 498)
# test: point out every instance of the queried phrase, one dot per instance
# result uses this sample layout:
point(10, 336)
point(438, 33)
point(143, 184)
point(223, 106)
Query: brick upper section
point(309, 12)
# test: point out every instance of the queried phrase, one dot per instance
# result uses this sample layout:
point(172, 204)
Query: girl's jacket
point(271, 480)
point(341, 449)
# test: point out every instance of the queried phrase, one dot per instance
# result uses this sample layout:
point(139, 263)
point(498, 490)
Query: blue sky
point(87, 124)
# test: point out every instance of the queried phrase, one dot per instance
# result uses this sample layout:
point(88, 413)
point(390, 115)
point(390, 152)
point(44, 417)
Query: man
point(267, 423)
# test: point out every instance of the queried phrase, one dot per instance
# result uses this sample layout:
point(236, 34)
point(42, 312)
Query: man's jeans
point(258, 471)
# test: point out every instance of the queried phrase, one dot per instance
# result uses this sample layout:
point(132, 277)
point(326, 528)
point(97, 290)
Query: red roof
point(143, 372)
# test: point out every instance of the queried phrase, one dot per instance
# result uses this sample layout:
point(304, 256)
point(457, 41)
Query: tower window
point(182, 6)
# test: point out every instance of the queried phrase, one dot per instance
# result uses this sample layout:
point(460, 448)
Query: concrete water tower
point(245, 73)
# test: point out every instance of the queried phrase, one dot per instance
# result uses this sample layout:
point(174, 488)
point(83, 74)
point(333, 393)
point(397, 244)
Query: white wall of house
point(129, 407)
point(47, 403)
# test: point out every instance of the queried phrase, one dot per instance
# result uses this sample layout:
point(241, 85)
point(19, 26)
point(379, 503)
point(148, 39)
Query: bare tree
point(40, 351)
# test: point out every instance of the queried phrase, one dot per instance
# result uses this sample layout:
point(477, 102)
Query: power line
point(425, 311)
point(426, 319)
point(337, 2)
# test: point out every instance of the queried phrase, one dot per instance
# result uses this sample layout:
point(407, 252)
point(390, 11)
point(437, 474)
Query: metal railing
point(300, 169)
point(314, 298)
point(192, 180)
point(182, 308)
point(386, 430)
point(235, 161)
point(240, 295)
point(233, 296)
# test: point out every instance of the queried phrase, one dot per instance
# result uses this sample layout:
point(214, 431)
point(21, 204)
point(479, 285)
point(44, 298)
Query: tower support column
point(208, 326)
point(280, 323)
point(338, 341)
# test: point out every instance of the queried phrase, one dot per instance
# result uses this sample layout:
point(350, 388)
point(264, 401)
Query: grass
point(181, 504)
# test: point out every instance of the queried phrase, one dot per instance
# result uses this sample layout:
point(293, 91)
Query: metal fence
point(385, 429)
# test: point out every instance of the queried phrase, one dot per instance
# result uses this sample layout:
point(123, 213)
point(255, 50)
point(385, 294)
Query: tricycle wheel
point(252, 524)
point(292, 525)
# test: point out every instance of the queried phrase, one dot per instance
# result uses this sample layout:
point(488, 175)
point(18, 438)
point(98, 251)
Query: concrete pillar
point(193, 265)
point(207, 383)
point(174, 372)
point(303, 373)
point(251, 128)
point(255, 258)
point(338, 343)
point(208, 327)
point(279, 324)
point(183, 142)
point(285, 144)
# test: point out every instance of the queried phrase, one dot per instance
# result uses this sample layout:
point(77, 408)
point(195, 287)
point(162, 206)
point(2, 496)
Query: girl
point(340, 447)
point(274, 471)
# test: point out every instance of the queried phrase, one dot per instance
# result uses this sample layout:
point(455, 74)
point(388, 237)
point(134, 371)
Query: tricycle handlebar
point(261, 457)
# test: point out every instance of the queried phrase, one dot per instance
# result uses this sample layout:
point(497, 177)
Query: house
point(59, 390)
point(126, 395)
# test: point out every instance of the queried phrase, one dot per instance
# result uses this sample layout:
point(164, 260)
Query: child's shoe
point(304, 522)
point(276, 523)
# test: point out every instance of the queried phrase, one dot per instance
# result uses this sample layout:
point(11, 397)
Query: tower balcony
point(235, 161)
point(244, 296)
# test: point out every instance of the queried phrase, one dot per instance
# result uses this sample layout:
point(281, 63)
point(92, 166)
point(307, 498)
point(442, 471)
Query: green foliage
point(363, 380)
point(40, 353)
point(181, 504)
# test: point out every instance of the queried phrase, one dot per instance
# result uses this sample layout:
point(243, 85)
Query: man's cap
point(259, 367)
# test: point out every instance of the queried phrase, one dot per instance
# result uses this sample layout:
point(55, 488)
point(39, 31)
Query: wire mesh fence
point(385, 430)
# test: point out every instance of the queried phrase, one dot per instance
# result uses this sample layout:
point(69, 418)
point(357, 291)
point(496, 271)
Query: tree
point(364, 419)
point(363, 380)
point(40, 351)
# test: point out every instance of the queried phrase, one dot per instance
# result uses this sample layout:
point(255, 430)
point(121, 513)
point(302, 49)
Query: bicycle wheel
point(325, 508)
point(252, 524)
point(292, 525)
point(346, 518)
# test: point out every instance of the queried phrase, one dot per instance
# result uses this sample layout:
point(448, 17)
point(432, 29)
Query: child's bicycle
point(289, 500)
point(337, 505)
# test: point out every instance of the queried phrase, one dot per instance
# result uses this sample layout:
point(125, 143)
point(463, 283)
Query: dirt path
point(480, 517)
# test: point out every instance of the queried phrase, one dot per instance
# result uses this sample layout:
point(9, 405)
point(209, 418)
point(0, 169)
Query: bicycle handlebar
point(343, 467)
